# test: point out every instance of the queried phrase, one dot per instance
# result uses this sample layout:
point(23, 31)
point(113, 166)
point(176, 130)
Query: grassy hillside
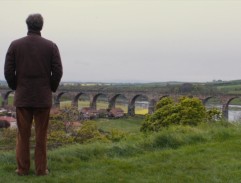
point(230, 89)
point(206, 153)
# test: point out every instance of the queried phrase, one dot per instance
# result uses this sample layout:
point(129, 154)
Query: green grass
point(230, 89)
point(129, 125)
point(206, 153)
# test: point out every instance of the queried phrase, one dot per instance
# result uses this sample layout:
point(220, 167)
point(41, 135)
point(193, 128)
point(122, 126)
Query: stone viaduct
point(130, 96)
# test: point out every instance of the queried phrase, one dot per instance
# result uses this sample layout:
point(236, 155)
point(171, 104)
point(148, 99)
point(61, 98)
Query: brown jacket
point(33, 68)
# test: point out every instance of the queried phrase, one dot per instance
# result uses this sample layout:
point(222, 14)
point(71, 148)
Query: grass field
point(128, 125)
point(230, 89)
point(207, 153)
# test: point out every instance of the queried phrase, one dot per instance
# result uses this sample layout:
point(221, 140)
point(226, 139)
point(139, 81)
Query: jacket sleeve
point(10, 68)
point(56, 69)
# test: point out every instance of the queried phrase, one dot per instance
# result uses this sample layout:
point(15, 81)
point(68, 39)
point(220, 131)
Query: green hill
point(206, 153)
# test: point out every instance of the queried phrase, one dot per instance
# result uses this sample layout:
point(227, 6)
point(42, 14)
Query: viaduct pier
point(130, 96)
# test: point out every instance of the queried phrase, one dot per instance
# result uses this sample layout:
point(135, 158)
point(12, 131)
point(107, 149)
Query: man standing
point(33, 69)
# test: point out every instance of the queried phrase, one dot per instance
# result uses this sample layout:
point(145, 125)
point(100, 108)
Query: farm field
point(206, 153)
point(230, 89)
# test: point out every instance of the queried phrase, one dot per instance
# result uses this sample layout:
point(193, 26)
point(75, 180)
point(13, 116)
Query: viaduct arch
point(130, 96)
point(4, 96)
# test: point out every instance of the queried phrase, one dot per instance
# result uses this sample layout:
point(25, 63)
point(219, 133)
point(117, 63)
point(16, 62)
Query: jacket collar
point(34, 32)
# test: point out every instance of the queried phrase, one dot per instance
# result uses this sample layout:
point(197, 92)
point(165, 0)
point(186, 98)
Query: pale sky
point(134, 40)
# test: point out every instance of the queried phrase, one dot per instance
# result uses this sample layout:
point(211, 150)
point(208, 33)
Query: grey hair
point(35, 22)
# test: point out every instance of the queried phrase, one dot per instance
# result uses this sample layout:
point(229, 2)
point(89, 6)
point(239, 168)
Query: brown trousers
point(25, 117)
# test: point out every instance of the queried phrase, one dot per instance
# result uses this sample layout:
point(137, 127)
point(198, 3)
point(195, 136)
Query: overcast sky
point(134, 40)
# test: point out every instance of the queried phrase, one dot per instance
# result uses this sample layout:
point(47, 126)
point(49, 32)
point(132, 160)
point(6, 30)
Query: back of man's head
point(35, 22)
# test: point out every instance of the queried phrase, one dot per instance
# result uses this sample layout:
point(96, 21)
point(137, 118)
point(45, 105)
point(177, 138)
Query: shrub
point(116, 135)
point(58, 137)
point(57, 133)
point(55, 125)
point(187, 111)
point(191, 111)
point(4, 124)
point(8, 136)
point(67, 114)
point(88, 132)
point(213, 115)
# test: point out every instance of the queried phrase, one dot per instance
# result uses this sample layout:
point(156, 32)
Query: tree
point(191, 110)
point(214, 115)
point(186, 88)
point(187, 111)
